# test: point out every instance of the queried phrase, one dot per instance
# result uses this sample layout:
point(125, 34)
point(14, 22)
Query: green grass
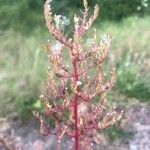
point(23, 63)
point(113, 133)
point(130, 79)
point(131, 54)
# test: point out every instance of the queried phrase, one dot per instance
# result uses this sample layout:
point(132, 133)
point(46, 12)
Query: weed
point(75, 96)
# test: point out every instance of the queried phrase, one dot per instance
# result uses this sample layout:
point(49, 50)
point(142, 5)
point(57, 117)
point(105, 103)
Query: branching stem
point(76, 105)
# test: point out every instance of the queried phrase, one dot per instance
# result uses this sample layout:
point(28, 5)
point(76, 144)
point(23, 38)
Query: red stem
point(76, 105)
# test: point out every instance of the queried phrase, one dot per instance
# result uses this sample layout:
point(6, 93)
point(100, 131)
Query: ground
point(26, 135)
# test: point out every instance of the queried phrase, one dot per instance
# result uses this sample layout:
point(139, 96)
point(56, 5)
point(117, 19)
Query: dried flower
point(56, 48)
point(106, 39)
point(61, 22)
point(79, 83)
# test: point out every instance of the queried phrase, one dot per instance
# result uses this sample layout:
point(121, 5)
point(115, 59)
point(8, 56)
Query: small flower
point(82, 109)
point(79, 83)
point(57, 20)
point(42, 96)
point(49, 5)
point(59, 141)
point(49, 1)
point(65, 20)
point(76, 19)
point(76, 22)
point(61, 21)
point(56, 49)
point(106, 39)
point(92, 144)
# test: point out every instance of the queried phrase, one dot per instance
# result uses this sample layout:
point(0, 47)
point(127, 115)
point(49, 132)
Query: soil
point(25, 136)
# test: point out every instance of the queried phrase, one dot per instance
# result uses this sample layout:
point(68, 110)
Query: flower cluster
point(76, 95)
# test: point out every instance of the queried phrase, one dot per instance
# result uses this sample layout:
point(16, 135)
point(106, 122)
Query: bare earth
point(26, 135)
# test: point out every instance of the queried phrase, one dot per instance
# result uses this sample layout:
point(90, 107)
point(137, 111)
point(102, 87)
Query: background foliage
point(16, 13)
point(23, 63)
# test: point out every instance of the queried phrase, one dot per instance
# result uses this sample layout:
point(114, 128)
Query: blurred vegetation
point(26, 14)
point(113, 133)
point(23, 63)
point(130, 79)
point(21, 15)
point(119, 9)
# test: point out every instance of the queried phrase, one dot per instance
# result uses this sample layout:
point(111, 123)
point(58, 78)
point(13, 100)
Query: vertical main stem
point(76, 123)
point(76, 105)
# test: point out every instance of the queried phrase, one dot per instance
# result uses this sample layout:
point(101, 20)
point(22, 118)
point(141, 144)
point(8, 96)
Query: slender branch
point(58, 35)
point(76, 104)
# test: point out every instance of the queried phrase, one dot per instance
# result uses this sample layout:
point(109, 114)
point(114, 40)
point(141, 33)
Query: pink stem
point(76, 105)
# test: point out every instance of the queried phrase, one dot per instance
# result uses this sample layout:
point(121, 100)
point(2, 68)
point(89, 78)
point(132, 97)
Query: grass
point(23, 68)
point(130, 79)
point(23, 63)
point(130, 52)
point(113, 133)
